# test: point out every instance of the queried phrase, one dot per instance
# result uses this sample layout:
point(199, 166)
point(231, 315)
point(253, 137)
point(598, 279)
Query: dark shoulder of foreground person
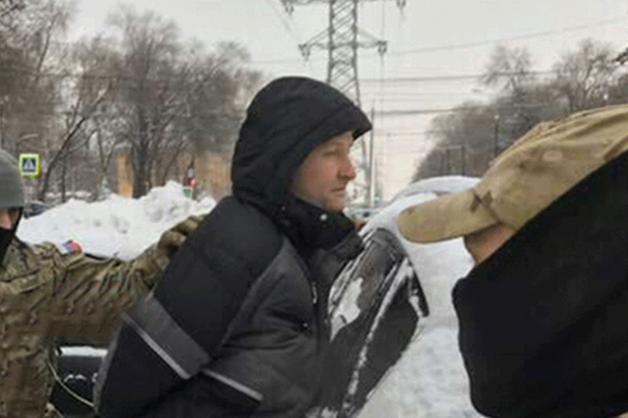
point(234, 236)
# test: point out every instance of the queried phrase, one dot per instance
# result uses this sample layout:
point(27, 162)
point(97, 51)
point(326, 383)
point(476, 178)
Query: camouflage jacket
point(45, 294)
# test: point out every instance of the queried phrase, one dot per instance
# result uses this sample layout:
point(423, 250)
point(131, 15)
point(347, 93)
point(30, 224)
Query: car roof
point(438, 265)
point(414, 194)
point(438, 185)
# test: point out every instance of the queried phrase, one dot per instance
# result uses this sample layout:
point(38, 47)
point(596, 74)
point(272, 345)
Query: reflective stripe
point(166, 338)
point(157, 349)
point(235, 385)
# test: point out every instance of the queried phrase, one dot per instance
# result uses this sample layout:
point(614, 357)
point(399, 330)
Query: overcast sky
point(428, 38)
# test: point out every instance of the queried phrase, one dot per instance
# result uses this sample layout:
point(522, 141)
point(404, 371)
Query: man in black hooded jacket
point(237, 326)
point(543, 314)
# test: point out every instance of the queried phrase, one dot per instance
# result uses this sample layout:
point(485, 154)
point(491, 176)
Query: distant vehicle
point(382, 279)
point(361, 212)
point(34, 208)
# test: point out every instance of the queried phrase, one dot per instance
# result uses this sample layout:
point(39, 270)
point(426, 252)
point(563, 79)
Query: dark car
point(77, 369)
point(34, 208)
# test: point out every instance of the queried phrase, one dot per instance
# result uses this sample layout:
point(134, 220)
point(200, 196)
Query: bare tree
point(510, 70)
point(150, 51)
point(465, 142)
point(100, 67)
point(179, 99)
point(29, 50)
point(139, 92)
point(584, 76)
point(75, 119)
point(218, 90)
point(88, 88)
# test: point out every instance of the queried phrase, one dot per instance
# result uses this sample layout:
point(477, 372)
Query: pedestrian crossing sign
point(30, 166)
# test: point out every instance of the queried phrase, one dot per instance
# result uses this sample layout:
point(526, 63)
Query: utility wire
point(293, 31)
point(454, 77)
point(20, 69)
point(444, 47)
point(467, 45)
point(285, 24)
point(531, 35)
point(412, 112)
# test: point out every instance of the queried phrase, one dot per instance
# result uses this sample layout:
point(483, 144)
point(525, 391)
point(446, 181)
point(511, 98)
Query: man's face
point(322, 177)
point(483, 243)
point(9, 217)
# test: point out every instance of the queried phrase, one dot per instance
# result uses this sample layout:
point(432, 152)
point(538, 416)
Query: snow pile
point(117, 226)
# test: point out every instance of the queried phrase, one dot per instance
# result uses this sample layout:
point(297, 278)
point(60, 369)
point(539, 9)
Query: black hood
point(286, 120)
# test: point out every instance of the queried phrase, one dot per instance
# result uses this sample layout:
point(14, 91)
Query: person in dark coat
point(237, 326)
point(543, 314)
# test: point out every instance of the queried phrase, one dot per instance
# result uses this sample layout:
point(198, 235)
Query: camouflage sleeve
point(89, 295)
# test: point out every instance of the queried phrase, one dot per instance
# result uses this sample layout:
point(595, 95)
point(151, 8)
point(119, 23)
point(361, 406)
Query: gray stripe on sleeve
point(166, 338)
point(235, 385)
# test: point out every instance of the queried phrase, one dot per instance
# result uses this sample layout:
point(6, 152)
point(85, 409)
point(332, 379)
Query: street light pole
point(371, 165)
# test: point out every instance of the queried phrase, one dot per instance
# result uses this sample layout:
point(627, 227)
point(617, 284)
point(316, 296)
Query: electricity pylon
point(342, 39)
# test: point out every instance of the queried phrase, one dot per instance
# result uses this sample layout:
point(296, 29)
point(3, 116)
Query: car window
point(369, 275)
point(376, 309)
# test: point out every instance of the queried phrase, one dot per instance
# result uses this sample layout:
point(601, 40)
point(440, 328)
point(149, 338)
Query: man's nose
point(5, 220)
point(348, 169)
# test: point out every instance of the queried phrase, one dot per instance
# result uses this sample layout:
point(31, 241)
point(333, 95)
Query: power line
point(424, 50)
point(467, 45)
point(285, 24)
point(449, 77)
point(414, 131)
point(415, 112)
point(419, 99)
point(511, 38)
point(286, 60)
point(418, 93)
point(17, 69)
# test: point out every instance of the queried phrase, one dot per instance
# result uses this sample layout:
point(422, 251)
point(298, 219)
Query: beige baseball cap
point(526, 178)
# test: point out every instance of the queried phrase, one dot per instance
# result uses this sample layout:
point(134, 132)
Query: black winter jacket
point(544, 320)
point(237, 325)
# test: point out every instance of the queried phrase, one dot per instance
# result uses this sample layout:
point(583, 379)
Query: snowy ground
point(429, 381)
